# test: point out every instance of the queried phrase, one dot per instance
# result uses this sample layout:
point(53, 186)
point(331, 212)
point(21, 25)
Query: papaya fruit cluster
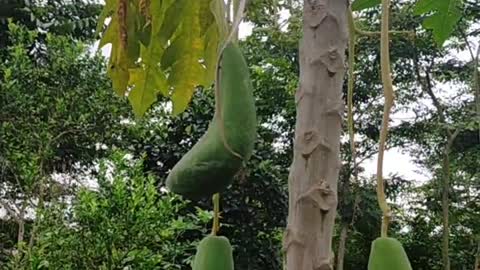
point(388, 254)
point(210, 166)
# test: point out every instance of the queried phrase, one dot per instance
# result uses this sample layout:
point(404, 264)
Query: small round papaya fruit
point(214, 253)
point(210, 166)
point(388, 254)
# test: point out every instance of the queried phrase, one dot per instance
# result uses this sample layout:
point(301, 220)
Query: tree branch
point(427, 86)
point(465, 38)
point(10, 211)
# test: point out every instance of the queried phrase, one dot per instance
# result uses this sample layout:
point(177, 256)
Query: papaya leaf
point(111, 35)
point(118, 67)
point(122, 59)
point(157, 9)
point(108, 9)
point(119, 75)
point(187, 72)
point(206, 17)
point(170, 53)
point(133, 32)
point(146, 83)
point(423, 6)
point(217, 7)
point(173, 18)
point(212, 39)
point(358, 5)
point(442, 19)
point(214, 36)
point(145, 35)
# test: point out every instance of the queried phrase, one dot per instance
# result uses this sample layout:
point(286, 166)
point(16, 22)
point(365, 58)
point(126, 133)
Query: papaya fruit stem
point(216, 213)
point(389, 98)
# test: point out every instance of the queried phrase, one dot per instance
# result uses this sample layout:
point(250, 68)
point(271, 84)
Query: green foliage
point(124, 223)
point(54, 111)
point(253, 209)
point(65, 90)
point(443, 17)
point(358, 5)
point(75, 18)
point(171, 47)
point(58, 115)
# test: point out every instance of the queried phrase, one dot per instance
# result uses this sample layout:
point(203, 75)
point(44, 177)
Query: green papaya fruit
point(209, 167)
point(388, 254)
point(214, 253)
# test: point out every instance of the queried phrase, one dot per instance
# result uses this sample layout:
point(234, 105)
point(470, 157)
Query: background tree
point(254, 208)
point(54, 114)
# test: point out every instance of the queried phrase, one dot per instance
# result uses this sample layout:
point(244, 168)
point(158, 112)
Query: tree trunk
point(316, 163)
point(21, 231)
point(446, 228)
point(477, 257)
point(445, 198)
point(341, 247)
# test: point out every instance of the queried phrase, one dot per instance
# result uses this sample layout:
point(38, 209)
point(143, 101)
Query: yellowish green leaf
point(118, 72)
point(187, 72)
point(146, 84)
point(184, 77)
point(212, 41)
point(158, 9)
point(173, 18)
point(111, 34)
point(217, 7)
point(108, 9)
point(180, 43)
point(205, 15)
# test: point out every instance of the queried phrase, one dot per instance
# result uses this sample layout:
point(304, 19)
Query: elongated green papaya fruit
point(209, 167)
point(388, 254)
point(214, 253)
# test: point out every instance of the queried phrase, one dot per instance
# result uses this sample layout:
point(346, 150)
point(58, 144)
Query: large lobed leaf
point(171, 49)
point(358, 5)
point(443, 15)
point(442, 19)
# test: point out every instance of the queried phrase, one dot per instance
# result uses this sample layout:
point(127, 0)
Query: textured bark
point(21, 231)
point(445, 199)
point(445, 210)
point(477, 258)
point(316, 163)
point(341, 247)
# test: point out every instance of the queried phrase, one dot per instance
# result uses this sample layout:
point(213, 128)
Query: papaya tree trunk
point(341, 247)
point(316, 163)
